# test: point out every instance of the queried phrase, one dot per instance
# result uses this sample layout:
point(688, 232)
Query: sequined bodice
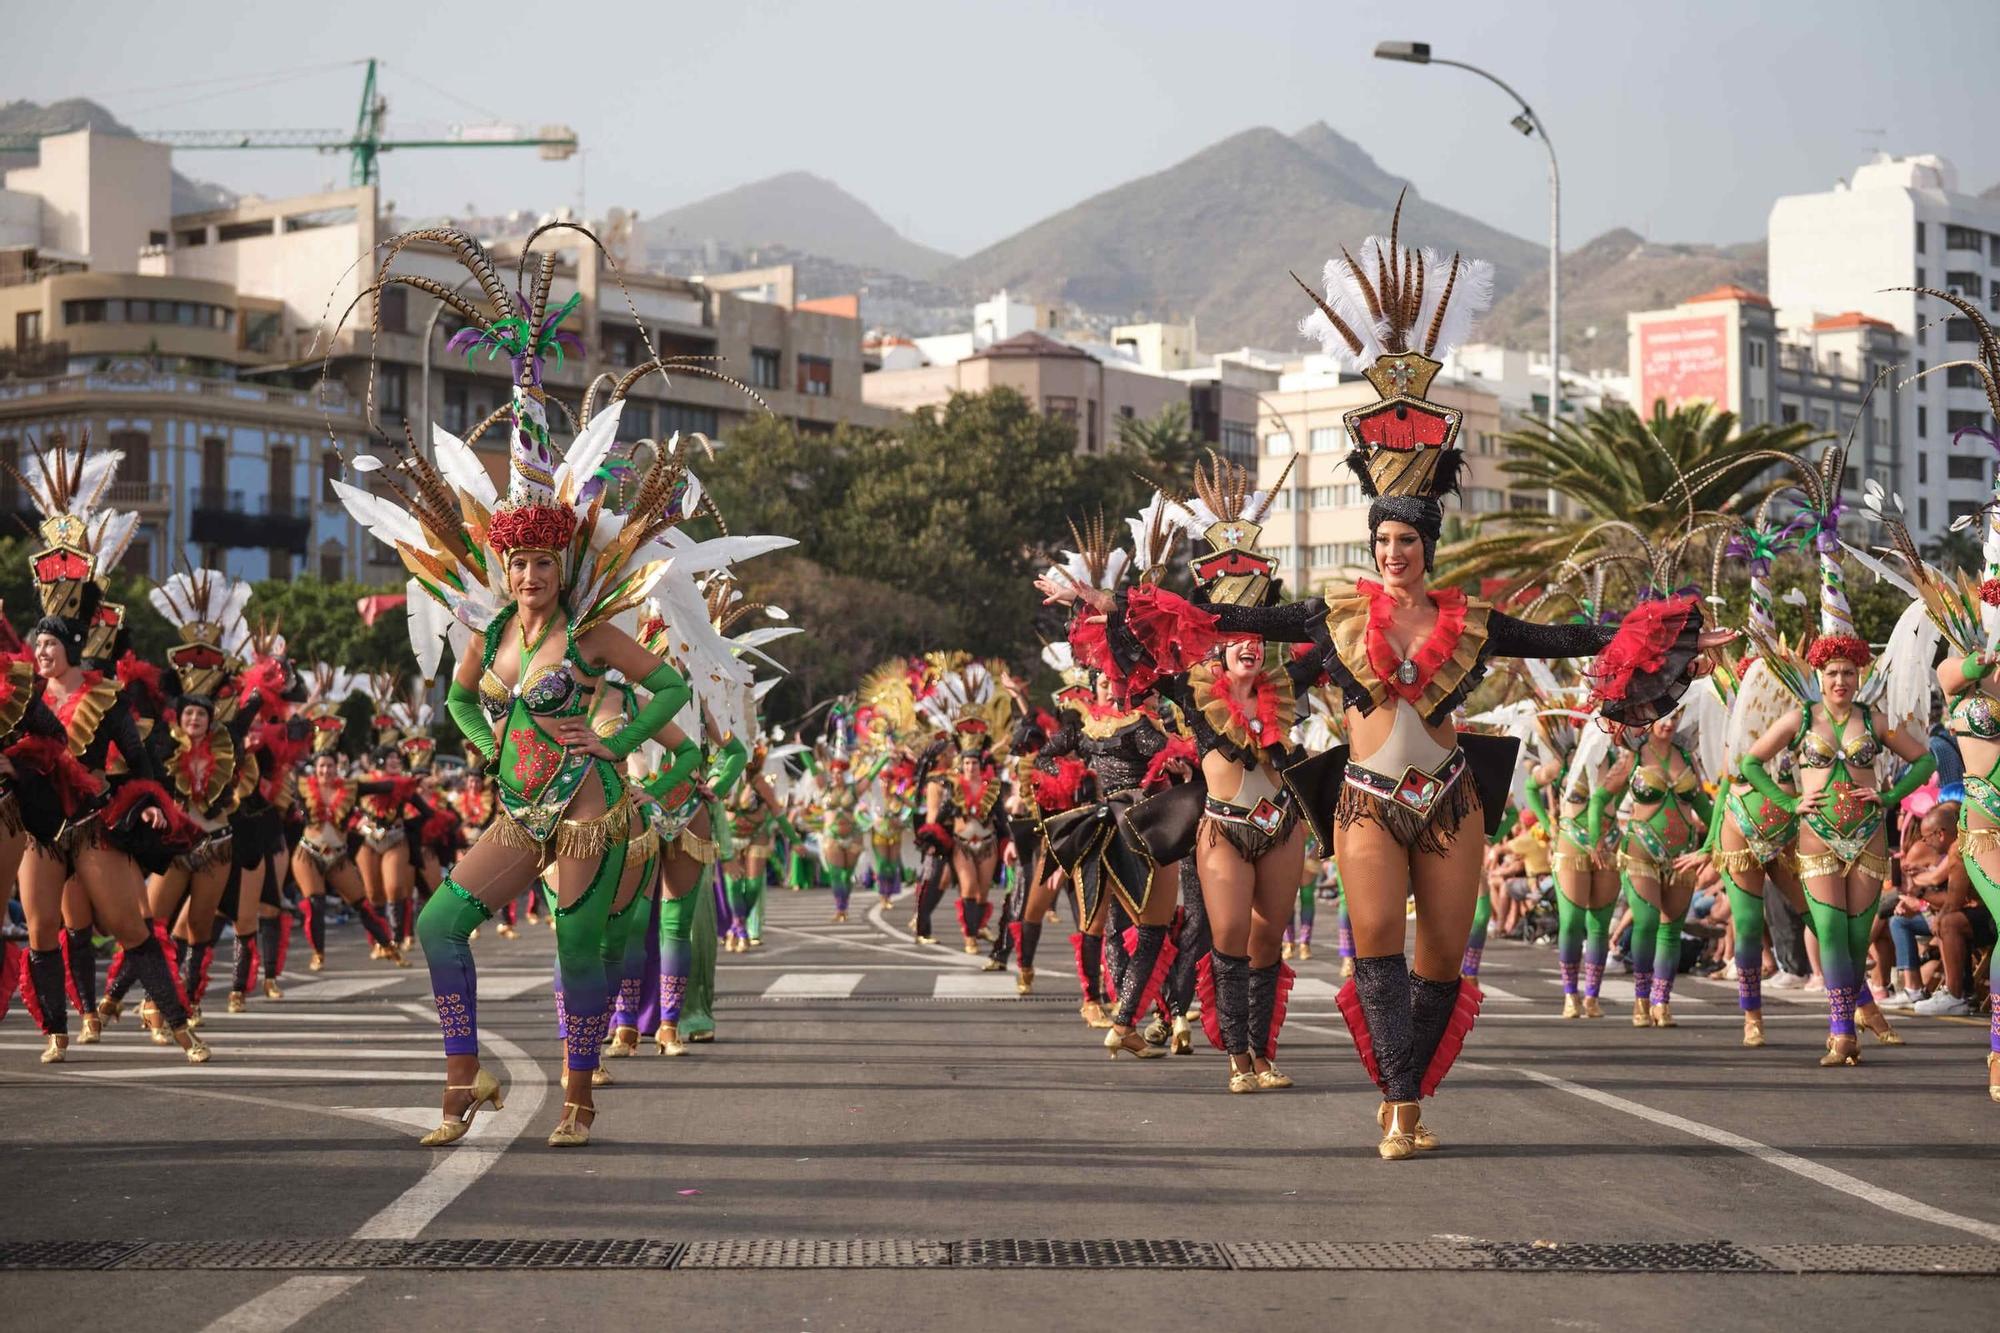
point(1651, 784)
point(1857, 751)
point(1973, 715)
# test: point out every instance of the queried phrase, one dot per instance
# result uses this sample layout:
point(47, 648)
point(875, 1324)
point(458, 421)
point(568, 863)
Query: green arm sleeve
point(1593, 815)
point(463, 705)
point(1717, 813)
point(1915, 776)
point(1753, 771)
point(1508, 819)
point(727, 769)
point(1538, 804)
point(1700, 802)
point(684, 759)
point(670, 695)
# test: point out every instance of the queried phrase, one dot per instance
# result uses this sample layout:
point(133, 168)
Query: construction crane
point(364, 144)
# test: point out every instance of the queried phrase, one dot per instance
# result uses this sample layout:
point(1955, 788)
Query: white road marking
point(285, 1304)
point(1618, 990)
point(304, 1074)
point(813, 985)
point(358, 1016)
point(275, 1052)
point(342, 988)
point(1900, 1204)
point(512, 987)
point(976, 986)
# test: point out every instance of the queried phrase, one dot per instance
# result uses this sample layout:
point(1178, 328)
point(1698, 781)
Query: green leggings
point(1843, 959)
point(698, 1000)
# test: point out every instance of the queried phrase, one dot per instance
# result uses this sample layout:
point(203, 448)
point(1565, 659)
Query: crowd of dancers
point(1210, 757)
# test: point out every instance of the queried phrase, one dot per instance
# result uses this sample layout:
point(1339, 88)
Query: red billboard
point(1683, 359)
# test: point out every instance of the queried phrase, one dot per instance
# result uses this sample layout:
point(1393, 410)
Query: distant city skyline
point(961, 123)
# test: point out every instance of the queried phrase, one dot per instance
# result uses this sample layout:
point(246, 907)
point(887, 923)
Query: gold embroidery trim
point(1205, 681)
point(1347, 627)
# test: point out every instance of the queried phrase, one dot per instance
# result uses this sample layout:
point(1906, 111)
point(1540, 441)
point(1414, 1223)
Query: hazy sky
point(961, 122)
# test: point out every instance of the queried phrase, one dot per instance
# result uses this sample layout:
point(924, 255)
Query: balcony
point(141, 495)
point(250, 522)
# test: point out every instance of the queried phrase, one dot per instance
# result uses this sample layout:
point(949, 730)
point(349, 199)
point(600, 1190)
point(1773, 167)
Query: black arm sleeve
point(1290, 622)
point(124, 733)
point(246, 714)
point(1508, 637)
point(1063, 741)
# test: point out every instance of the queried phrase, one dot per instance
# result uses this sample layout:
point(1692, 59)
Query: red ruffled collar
point(1438, 646)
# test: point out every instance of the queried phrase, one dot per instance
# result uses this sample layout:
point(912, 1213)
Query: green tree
point(321, 623)
point(1613, 465)
point(1956, 550)
point(1163, 448)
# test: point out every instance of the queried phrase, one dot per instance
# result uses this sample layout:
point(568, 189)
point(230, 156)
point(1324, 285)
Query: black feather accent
point(1357, 463)
point(1444, 481)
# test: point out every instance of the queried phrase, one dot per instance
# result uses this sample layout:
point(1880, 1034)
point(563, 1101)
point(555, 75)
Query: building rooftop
point(1031, 344)
point(1731, 292)
point(1850, 319)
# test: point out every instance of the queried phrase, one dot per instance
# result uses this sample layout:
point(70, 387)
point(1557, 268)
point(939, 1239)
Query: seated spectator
point(1963, 926)
point(1925, 864)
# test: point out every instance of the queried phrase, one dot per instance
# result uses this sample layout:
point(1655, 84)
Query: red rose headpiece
point(1844, 647)
point(532, 527)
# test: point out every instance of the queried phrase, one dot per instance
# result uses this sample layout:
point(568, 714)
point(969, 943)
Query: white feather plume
point(461, 467)
point(429, 623)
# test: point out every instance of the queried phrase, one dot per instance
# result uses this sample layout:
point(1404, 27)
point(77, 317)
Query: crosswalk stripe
point(221, 1043)
point(306, 1073)
point(342, 988)
point(973, 986)
point(507, 988)
point(813, 986)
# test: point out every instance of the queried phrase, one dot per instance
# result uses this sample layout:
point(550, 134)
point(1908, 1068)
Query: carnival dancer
point(328, 802)
point(1835, 739)
point(65, 724)
point(537, 577)
point(962, 819)
point(275, 745)
point(840, 827)
point(1404, 655)
point(1667, 818)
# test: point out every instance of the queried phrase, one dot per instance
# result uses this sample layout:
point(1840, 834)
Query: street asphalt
point(864, 1090)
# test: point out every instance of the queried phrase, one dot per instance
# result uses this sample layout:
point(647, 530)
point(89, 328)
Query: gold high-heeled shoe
point(994, 965)
point(1346, 968)
point(236, 1004)
point(1129, 1041)
point(1877, 1023)
point(1663, 1016)
point(1181, 1040)
point(1398, 1121)
point(1094, 1015)
point(393, 953)
point(507, 932)
point(706, 1034)
point(190, 1041)
point(93, 1030)
point(195, 1020)
point(1024, 981)
point(971, 945)
point(484, 1088)
point(317, 963)
point(1591, 1008)
point(1243, 1080)
point(1840, 1051)
point(756, 941)
point(1285, 949)
point(668, 1039)
point(56, 1051)
point(1420, 1135)
point(1753, 1027)
point(110, 1010)
point(271, 991)
point(1572, 1007)
point(624, 1042)
point(1305, 953)
point(1993, 1075)
point(600, 1077)
point(571, 1132)
point(1271, 1079)
point(1642, 1012)
point(839, 918)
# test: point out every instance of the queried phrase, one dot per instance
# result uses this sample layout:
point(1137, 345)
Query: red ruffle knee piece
point(167, 952)
point(1211, 1015)
point(1463, 1015)
point(1279, 1004)
point(10, 973)
point(1349, 1000)
point(1076, 943)
point(1156, 982)
point(1014, 931)
point(1640, 647)
point(31, 1001)
point(285, 923)
point(69, 976)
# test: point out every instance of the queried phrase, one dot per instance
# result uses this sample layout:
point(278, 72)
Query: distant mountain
point(76, 113)
point(798, 211)
point(1212, 237)
point(1604, 279)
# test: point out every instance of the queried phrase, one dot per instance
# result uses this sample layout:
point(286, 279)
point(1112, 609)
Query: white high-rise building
point(1904, 222)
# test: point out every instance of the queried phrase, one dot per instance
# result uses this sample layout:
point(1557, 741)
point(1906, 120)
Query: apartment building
point(203, 345)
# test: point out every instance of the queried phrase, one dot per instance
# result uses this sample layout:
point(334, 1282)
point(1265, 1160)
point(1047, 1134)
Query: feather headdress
point(206, 608)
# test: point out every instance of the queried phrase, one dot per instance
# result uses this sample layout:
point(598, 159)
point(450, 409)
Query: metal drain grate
point(1551, 1256)
point(1442, 1256)
point(816, 1254)
point(1953, 1260)
point(1087, 1254)
point(1361, 1256)
point(70, 1254)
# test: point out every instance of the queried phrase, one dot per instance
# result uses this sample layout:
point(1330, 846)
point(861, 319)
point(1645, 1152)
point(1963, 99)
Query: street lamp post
point(1527, 122)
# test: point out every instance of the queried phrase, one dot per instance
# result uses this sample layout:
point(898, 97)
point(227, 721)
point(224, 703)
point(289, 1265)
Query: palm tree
point(1956, 550)
point(1680, 469)
point(1165, 446)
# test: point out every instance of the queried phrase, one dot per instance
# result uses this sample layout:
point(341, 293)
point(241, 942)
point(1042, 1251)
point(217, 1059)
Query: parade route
point(887, 1136)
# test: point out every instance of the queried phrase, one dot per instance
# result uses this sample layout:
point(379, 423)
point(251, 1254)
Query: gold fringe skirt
point(574, 839)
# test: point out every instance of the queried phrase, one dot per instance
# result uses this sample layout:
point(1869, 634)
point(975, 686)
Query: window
point(392, 390)
point(1961, 377)
point(1754, 353)
point(329, 473)
point(763, 368)
point(1923, 471)
point(214, 465)
point(1964, 238)
point(1282, 500)
point(138, 559)
point(1923, 422)
point(636, 422)
point(1923, 512)
point(1127, 411)
point(242, 231)
point(1966, 281)
point(261, 330)
point(1325, 439)
point(280, 489)
point(1753, 411)
point(816, 379)
point(1484, 499)
point(1090, 425)
point(135, 464)
point(676, 419)
point(1788, 413)
point(1239, 439)
point(10, 488)
point(1922, 366)
point(392, 305)
point(1963, 509)
point(27, 328)
point(1821, 419)
point(455, 408)
point(1961, 468)
point(1958, 329)
point(115, 310)
point(278, 563)
point(1920, 238)
point(1278, 443)
point(1528, 503)
point(1061, 406)
point(329, 567)
point(1960, 419)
